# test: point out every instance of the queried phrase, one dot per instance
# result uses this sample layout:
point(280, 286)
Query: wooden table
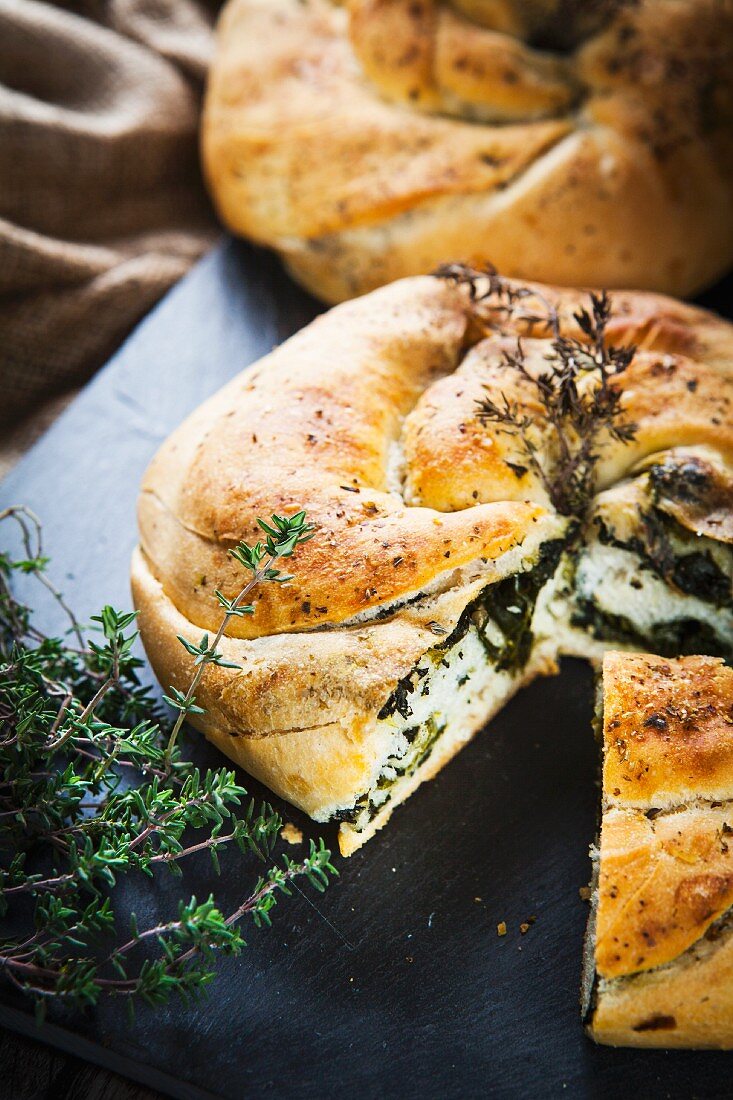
point(33, 1071)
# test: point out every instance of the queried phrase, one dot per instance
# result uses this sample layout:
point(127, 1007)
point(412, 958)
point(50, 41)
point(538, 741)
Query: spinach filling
point(694, 573)
point(502, 616)
point(509, 607)
point(676, 638)
point(422, 741)
point(665, 548)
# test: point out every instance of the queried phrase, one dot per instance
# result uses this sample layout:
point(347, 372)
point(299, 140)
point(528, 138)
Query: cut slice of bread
point(659, 951)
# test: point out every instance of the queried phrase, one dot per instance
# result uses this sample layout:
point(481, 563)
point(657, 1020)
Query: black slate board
point(397, 984)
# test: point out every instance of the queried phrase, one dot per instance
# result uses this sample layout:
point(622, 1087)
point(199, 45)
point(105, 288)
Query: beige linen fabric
point(101, 202)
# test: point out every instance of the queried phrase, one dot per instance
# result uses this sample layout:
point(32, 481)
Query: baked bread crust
point(313, 423)
point(366, 420)
point(663, 949)
point(374, 139)
point(668, 730)
point(300, 716)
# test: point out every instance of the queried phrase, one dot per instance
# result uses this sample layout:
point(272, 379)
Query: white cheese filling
point(454, 695)
point(457, 690)
point(616, 582)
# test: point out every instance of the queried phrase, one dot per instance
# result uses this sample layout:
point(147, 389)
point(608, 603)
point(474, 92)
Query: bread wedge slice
point(659, 950)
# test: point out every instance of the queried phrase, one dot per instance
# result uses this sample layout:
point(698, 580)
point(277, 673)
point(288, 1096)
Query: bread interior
point(643, 578)
point(454, 688)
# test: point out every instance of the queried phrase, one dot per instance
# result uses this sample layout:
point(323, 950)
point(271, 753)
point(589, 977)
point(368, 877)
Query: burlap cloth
point(101, 202)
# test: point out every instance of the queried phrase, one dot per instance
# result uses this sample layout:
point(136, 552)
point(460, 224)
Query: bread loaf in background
point(577, 143)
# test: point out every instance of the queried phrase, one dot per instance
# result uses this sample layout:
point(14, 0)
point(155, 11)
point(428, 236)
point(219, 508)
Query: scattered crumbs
point(501, 928)
point(478, 899)
point(291, 833)
point(526, 925)
point(394, 869)
point(430, 920)
point(524, 928)
point(409, 958)
point(584, 893)
point(351, 979)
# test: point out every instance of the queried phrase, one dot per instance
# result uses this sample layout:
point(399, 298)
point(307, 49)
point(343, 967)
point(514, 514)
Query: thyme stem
point(228, 616)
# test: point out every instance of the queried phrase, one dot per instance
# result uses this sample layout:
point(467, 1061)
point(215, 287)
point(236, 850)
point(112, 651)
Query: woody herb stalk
point(576, 391)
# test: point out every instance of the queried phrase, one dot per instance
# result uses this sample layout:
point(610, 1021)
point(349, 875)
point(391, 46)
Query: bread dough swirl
point(586, 144)
point(367, 419)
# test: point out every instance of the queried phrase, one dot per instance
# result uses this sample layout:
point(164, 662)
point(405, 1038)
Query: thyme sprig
point(93, 787)
point(581, 403)
point(282, 537)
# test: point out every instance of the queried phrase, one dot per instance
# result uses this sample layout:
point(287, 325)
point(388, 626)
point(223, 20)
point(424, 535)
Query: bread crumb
point(501, 928)
point(291, 833)
point(585, 893)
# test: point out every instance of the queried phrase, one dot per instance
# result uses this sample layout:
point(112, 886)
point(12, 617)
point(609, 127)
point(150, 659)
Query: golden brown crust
point(662, 884)
point(299, 711)
point(668, 730)
point(375, 139)
point(663, 945)
point(319, 422)
point(433, 58)
point(311, 426)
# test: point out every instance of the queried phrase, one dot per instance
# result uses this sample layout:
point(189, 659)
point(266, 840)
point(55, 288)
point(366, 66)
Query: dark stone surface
point(394, 983)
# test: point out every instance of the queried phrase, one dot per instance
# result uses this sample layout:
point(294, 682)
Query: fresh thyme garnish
point(283, 535)
point(581, 404)
point(93, 787)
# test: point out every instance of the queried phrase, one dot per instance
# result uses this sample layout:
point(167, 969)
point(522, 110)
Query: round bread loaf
point(430, 591)
point(577, 143)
